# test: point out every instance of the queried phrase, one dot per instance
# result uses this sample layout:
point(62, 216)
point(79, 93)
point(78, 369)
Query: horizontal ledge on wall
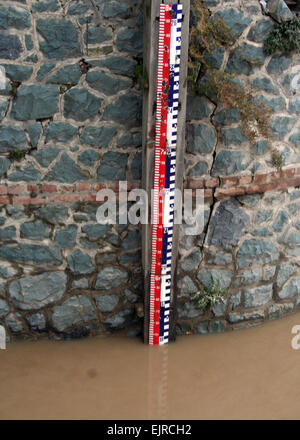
point(41, 193)
point(249, 184)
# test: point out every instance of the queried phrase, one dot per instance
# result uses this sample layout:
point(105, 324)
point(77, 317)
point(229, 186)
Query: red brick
point(64, 198)
point(98, 186)
point(4, 200)
point(252, 189)
point(284, 184)
point(66, 188)
point(88, 197)
point(83, 187)
point(288, 173)
point(70, 197)
point(268, 187)
point(245, 180)
point(295, 181)
point(208, 193)
point(211, 183)
point(16, 189)
point(21, 200)
point(37, 200)
point(229, 181)
point(32, 188)
point(229, 192)
point(274, 176)
point(260, 178)
point(3, 189)
point(49, 188)
point(195, 183)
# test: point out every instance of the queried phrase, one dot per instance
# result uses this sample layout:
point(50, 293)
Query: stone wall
point(251, 240)
point(71, 104)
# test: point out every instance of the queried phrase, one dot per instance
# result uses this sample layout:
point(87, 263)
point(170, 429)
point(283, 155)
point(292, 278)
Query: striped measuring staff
point(164, 171)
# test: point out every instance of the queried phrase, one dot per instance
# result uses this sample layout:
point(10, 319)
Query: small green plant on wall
point(277, 160)
point(17, 155)
point(209, 296)
point(254, 114)
point(284, 37)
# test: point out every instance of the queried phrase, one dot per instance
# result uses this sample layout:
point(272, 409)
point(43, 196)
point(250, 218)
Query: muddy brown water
point(250, 374)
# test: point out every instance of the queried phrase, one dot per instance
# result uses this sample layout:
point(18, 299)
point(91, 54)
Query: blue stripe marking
point(162, 321)
point(168, 170)
point(164, 248)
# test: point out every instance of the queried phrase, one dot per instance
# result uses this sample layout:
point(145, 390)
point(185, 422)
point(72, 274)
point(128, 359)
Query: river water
point(250, 374)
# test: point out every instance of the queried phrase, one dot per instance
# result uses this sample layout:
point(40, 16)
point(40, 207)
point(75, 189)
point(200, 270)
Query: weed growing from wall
point(277, 160)
point(254, 114)
point(17, 155)
point(207, 35)
point(284, 37)
point(209, 297)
